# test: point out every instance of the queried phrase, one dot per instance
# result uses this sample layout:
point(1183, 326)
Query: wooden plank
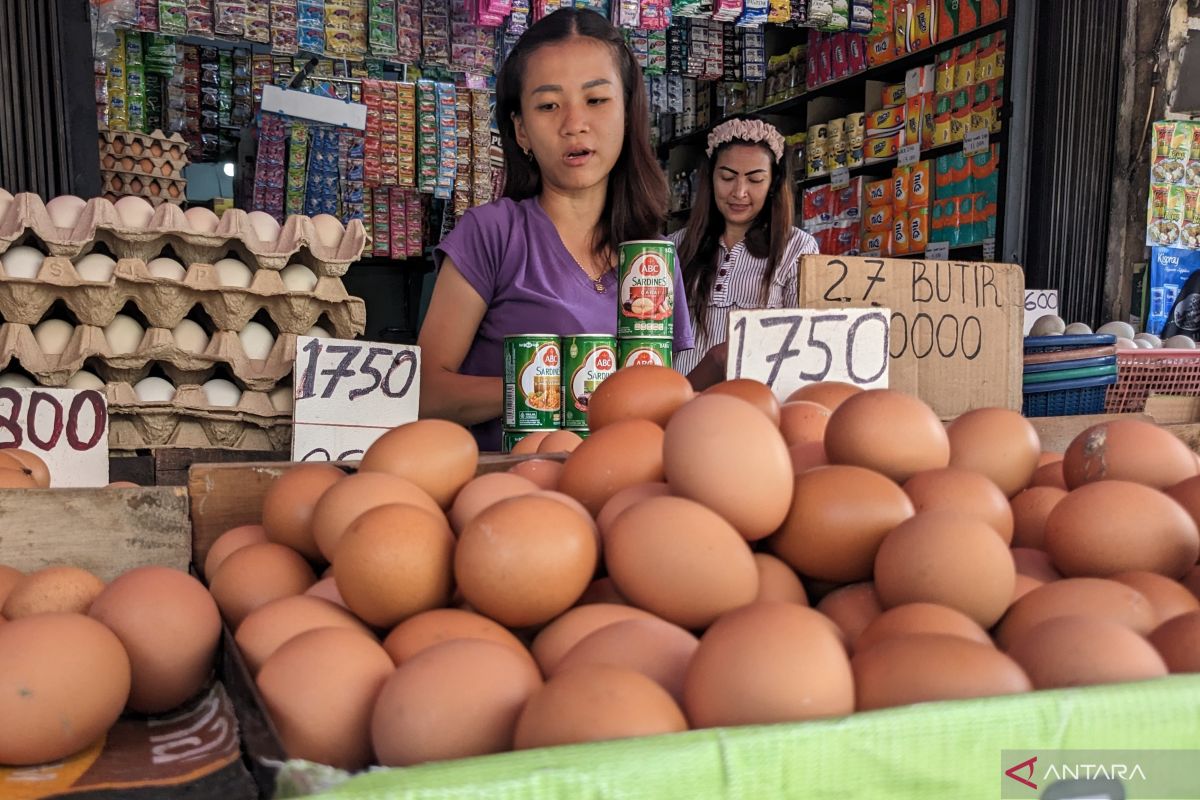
point(105, 531)
point(135, 469)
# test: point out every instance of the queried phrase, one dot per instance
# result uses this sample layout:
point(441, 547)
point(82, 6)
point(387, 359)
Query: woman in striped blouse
point(740, 249)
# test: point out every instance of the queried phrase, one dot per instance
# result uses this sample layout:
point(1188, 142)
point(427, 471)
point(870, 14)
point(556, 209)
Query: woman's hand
point(711, 369)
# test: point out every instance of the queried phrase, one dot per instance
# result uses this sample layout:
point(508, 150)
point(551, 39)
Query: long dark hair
point(767, 238)
point(636, 203)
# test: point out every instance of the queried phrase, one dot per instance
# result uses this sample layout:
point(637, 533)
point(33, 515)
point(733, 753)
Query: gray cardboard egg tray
point(99, 222)
point(165, 302)
point(187, 421)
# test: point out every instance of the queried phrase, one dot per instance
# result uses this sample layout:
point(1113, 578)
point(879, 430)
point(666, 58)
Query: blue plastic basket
point(1067, 398)
point(1079, 363)
point(1054, 344)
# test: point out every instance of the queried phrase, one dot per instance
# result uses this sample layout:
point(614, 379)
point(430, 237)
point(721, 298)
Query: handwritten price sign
point(791, 347)
point(350, 393)
point(67, 429)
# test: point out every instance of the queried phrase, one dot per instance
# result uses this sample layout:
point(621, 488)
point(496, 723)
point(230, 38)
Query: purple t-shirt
point(511, 254)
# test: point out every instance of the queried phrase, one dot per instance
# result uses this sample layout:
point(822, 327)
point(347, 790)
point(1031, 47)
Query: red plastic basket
point(1141, 372)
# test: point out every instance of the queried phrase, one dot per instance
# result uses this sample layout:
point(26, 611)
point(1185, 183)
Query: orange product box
point(947, 19)
point(879, 219)
point(990, 11)
point(881, 49)
point(918, 229)
point(879, 193)
point(885, 119)
point(914, 120)
point(902, 26)
point(901, 245)
point(876, 242)
point(964, 66)
point(893, 95)
point(968, 15)
point(883, 147)
point(924, 23)
point(901, 187)
point(920, 184)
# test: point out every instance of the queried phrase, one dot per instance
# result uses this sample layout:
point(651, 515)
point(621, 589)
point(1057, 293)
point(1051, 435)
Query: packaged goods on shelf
point(1173, 212)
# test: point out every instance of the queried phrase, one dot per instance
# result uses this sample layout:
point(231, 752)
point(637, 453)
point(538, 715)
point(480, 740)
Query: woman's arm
point(451, 322)
point(711, 369)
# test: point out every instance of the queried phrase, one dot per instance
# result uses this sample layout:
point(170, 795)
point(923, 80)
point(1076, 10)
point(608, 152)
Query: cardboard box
point(976, 361)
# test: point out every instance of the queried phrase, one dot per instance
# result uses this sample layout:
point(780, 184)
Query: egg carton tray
point(99, 221)
point(89, 349)
point(166, 302)
point(155, 189)
point(145, 165)
point(156, 144)
point(189, 421)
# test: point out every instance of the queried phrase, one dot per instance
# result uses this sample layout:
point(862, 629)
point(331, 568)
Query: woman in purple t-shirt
point(580, 179)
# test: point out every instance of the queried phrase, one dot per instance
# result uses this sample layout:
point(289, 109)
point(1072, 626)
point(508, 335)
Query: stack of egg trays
point(1068, 375)
point(148, 165)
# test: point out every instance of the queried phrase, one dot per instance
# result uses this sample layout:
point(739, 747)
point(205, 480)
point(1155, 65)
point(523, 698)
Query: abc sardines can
point(509, 439)
point(532, 381)
point(587, 360)
point(645, 352)
point(646, 275)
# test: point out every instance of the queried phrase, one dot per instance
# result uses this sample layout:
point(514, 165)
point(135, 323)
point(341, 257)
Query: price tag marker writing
point(909, 155)
point(937, 251)
point(840, 178)
point(976, 141)
point(67, 429)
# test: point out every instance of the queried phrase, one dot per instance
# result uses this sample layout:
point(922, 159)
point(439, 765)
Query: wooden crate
point(169, 466)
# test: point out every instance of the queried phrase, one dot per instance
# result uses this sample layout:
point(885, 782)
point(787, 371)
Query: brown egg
point(946, 558)
point(1084, 651)
point(595, 702)
point(484, 492)
point(807, 455)
point(525, 560)
point(560, 442)
point(830, 394)
point(887, 431)
point(680, 560)
point(970, 494)
point(1187, 494)
point(529, 444)
point(326, 589)
point(1191, 581)
point(839, 517)
point(1178, 642)
point(446, 624)
point(1036, 564)
point(1049, 458)
point(723, 453)
point(438, 456)
point(777, 582)
point(51, 590)
point(456, 699)
point(542, 473)
point(269, 627)
point(169, 626)
point(556, 639)
point(601, 590)
point(230, 541)
point(625, 453)
point(656, 648)
point(393, 562)
point(1096, 597)
point(9, 576)
point(1088, 532)
point(320, 689)
point(31, 462)
point(254, 576)
point(651, 392)
point(287, 509)
point(627, 497)
point(1024, 586)
point(998, 443)
point(16, 479)
point(66, 680)
point(923, 667)
point(353, 496)
point(803, 422)
point(1168, 598)
point(1030, 509)
point(577, 507)
point(1050, 474)
point(920, 618)
point(852, 608)
point(1128, 450)
point(765, 663)
point(123, 485)
point(756, 393)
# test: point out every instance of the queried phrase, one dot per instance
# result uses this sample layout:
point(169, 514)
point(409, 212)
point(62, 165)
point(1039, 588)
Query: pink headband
point(746, 130)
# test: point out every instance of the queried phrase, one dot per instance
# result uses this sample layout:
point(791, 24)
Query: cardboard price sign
point(1039, 303)
point(955, 337)
point(67, 429)
point(788, 348)
point(349, 393)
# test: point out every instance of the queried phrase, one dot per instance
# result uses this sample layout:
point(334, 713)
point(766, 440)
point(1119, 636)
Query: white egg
point(65, 211)
point(298, 278)
point(1148, 337)
point(329, 229)
point(123, 334)
point(85, 380)
point(1143, 344)
point(1126, 344)
point(22, 262)
point(134, 212)
point(233, 273)
point(257, 340)
point(283, 399)
point(15, 380)
point(96, 267)
point(1122, 329)
point(154, 390)
point(201, 219)
point(220, 392)
point(1048, 325)
point(53, 336)
point(266, 228)
point(190, 337)
point(1180, 343)
point(167, 269)
point(318, 332)
point(1077, 329)
point(5, 201)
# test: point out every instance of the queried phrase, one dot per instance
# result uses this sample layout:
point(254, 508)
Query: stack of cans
point(646, 315)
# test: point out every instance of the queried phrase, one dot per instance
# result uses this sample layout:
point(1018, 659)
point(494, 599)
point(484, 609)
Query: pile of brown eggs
point(659, 578)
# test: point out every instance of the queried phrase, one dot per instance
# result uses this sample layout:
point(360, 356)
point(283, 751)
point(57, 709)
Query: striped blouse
point(738, 285)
